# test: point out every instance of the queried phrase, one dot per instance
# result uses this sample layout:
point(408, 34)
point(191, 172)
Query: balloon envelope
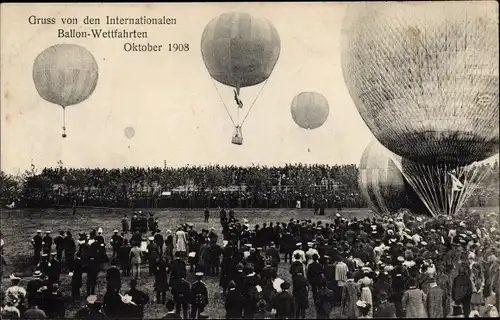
point(382, 184)
point(240, 50)
point(424, 77)
point(310, 110)
point(129, 132)
point(65, 74)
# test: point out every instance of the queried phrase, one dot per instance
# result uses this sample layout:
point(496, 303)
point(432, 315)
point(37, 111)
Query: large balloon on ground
point(240, 50)
point(424, 76)
point(382, 184)
point(65, 74)
point(310, 110)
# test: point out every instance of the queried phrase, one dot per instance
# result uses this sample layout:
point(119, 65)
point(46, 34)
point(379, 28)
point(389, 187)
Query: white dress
point(366, 296)
point(181, 244)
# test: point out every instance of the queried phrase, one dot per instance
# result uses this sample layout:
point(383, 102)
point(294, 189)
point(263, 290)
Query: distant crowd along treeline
point(200, 186)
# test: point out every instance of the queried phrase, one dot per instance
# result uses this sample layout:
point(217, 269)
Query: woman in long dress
point(366, 293)
point(181, 242)
point(349, 298)
point(414, 301)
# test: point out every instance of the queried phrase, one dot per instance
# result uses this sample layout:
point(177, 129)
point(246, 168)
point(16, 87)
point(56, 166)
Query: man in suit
point(385, 309)
point(135, 257)
point(199, 296)
point(37, 243)
point(181, 291)
point(274, 253)
point(284, 303)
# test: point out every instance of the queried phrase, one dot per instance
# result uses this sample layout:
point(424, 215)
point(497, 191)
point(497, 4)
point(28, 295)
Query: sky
point(169, 98)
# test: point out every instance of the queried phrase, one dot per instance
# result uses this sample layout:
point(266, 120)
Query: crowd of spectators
point(201, 186)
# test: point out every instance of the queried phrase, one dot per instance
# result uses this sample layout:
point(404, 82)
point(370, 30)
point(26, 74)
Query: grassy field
point(19, 226)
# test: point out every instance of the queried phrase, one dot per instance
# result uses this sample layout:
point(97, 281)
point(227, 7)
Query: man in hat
point(158, 238)
point(47, 243)
point(206, 214)
point(43, 265)
point(199, 296)
point(385, 309)
point(37, 243)
point(324, 301)
point(93, 269)
point(77, 277)
point(262, 313)
point(153, 255)
point(69, 250)
point(181, 291)
point(33, 286)
point(139, 297)
point(34, 312)
point(300, 295)
point(92, 310)
point(125, 224)
point(171, 314)
point(437, 303)
point(59, 243)
point(284, 303)
point(315, 274)
point(116, 243)
point(54, 270)
point(287, 245)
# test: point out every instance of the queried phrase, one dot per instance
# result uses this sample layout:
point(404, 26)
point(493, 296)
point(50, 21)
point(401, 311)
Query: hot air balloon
point(382, 185)
point(129, 133)
point(424, 77)
point(310, 110)
point(65, 74)
point(240, 50)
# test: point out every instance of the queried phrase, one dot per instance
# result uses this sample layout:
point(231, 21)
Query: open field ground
point(19, 226)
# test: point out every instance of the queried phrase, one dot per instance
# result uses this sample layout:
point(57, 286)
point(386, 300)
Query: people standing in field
point(387, 275)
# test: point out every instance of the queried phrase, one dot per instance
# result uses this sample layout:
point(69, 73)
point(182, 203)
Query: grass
point(19, 226)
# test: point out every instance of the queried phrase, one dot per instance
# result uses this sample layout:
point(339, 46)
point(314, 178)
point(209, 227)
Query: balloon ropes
point(309, 110)
point(424, 78)
point(382, 185)
point(65, 74)
point(240, 50)
point(129, 133)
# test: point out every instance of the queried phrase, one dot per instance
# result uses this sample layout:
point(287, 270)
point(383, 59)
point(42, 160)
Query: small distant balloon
point(129, 132)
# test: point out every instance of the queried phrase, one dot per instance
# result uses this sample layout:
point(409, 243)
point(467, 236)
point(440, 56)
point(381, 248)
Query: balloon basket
point(237, 140)
point(237, 136)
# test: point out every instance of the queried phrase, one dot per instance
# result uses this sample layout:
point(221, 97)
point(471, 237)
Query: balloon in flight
point(65, 74)
point(310, 110)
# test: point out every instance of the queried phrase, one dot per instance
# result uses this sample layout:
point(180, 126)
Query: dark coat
point(300, 292)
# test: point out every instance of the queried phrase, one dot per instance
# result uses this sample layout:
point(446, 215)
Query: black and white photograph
point(249, 160)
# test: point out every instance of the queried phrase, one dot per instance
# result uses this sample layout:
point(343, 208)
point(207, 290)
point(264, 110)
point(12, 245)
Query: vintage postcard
point(256, 160)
